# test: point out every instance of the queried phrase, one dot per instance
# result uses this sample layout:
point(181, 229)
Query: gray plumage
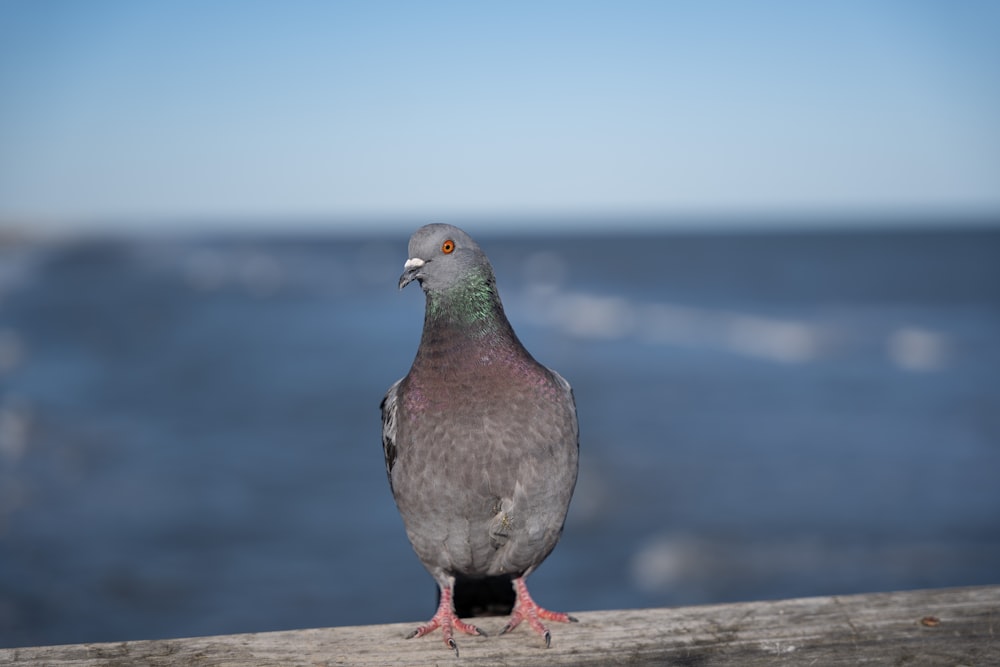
point(480, 440)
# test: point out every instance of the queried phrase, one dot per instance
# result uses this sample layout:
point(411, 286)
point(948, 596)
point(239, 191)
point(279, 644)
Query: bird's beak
point(411, 271)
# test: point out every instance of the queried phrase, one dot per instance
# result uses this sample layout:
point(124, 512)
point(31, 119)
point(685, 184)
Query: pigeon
point(481, 441)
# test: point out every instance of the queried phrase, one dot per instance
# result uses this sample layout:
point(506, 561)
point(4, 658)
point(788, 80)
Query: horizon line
point(548, 222)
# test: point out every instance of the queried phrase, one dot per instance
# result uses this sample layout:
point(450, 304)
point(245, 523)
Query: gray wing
point(532, 509)
point(389, 409)
point(572, 401)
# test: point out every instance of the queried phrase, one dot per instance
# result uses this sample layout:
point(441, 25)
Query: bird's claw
point(446, 619)
point(526, 609)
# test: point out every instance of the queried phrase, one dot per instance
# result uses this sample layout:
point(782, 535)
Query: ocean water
point(190, 435)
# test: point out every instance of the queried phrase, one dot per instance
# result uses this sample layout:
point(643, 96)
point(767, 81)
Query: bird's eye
point(448, 247)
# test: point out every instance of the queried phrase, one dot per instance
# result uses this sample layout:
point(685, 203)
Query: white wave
point(917, 349)
point(591, 316)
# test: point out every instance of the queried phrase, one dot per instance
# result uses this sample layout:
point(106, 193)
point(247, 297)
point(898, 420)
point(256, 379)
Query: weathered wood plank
point(932, 627)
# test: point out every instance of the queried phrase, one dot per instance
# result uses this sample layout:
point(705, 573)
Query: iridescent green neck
point(471, 306)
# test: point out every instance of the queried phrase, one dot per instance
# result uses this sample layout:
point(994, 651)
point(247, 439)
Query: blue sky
point(139, 114)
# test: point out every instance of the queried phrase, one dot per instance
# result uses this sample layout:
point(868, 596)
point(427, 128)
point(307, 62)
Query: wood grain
point(930, 627)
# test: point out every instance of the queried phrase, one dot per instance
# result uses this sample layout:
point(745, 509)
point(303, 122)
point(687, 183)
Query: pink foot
point(446, 619)
point(525, 608)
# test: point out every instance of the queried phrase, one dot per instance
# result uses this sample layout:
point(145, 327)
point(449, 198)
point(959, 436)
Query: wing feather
point(389, 409)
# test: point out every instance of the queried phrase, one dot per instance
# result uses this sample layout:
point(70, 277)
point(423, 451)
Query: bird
point(481, 441)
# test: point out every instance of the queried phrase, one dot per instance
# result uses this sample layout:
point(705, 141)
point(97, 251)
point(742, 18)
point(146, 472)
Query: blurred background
point(761, 241)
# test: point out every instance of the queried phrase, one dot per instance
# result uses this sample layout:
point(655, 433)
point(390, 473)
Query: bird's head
point(442, 256)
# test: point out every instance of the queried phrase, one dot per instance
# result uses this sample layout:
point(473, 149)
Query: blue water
point(190, 437)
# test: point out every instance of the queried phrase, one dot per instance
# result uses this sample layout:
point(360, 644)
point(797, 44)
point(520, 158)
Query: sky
point(144, 114)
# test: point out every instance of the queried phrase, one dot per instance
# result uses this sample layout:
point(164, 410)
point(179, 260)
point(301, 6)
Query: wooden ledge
point(929, 627)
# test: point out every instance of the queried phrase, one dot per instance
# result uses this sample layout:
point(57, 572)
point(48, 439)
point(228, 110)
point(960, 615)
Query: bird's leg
point(446, 619)
point(526, 608)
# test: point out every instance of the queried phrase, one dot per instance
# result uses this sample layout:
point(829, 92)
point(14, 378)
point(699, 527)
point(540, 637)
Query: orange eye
point(448, 247)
